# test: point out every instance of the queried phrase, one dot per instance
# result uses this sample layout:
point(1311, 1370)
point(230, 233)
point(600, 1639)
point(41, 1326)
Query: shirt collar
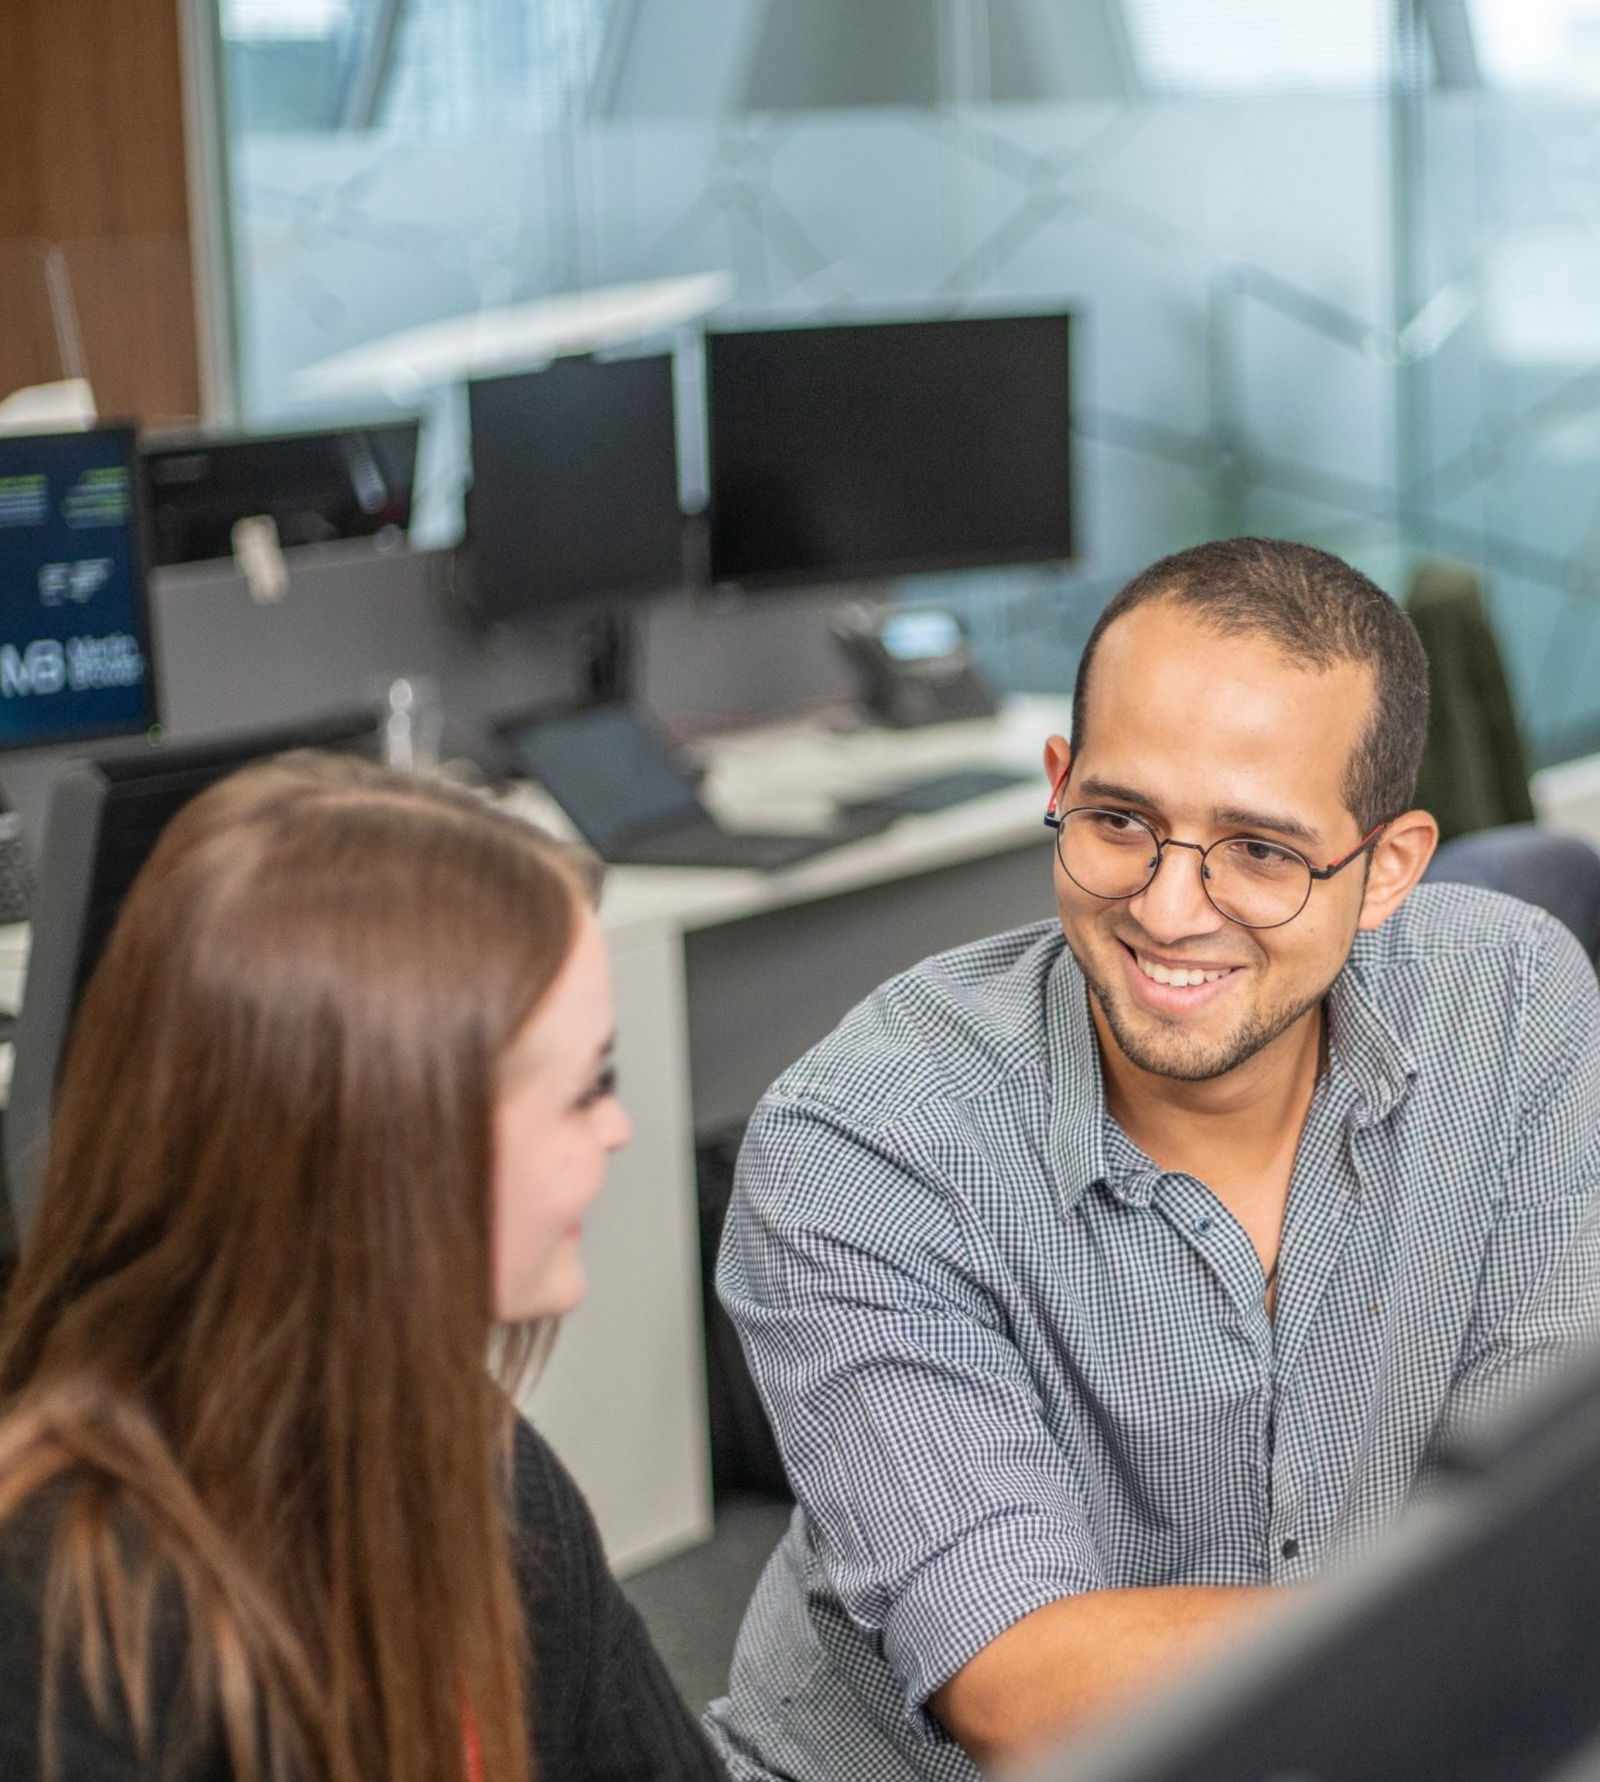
point(1360, 1045)
point(1076, 1143)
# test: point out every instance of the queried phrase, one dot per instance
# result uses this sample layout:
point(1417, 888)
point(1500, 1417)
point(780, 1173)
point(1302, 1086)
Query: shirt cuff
point(969, 1594)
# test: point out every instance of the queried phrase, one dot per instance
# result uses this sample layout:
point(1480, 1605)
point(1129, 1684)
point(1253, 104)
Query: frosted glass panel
point(1357, 315)
point(1261, 46)
point(1549, 45)
point(1205, 401)
point(1504, 438)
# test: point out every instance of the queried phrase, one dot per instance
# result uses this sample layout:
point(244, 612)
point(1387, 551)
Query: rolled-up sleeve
point(941, 1509)
point(1539, 1289)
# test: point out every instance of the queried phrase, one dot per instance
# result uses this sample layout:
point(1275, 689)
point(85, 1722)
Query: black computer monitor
point(317, 487)
point(887, 448)
point(574, 492)
point(75, 652)
point(103, 819)
point(1462, 1647)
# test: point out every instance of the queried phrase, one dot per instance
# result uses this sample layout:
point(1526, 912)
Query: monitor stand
point(606, 658)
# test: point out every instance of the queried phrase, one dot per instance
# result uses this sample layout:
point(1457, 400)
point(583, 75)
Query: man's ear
point(1399, 859)
point(1057, 761)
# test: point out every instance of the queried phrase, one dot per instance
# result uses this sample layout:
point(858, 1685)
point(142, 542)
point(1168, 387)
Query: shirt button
point(1291, 1549)
point(1203, 1227)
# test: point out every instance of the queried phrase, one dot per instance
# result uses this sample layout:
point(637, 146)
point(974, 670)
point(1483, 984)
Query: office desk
point(722, 979)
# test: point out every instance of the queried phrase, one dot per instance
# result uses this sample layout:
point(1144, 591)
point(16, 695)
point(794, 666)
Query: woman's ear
point(1399, 859)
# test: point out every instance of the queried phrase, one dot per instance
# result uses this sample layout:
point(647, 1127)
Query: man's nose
point(1174, 904)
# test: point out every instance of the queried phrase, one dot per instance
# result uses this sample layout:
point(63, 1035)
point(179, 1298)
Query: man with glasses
point(1104, 1275)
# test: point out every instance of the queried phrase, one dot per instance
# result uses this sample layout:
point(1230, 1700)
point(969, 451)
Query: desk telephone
point(915, 665)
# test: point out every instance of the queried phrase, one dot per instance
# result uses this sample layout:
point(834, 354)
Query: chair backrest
point(1558, 872)
point(104, 818)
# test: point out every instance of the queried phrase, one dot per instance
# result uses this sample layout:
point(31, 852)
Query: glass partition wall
point(1498, 399)
point(1328, 263)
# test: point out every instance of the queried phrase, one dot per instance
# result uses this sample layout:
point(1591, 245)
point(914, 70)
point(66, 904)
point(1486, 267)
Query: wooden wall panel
point(18, 96)
point(92, 168)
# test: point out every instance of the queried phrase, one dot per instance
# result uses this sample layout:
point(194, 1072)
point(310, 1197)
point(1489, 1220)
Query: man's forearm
point(1071, 1661)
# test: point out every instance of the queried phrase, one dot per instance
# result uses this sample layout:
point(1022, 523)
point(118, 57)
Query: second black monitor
point(574, 484)
point(886, 448)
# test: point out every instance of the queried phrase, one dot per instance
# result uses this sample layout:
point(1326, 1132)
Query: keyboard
point(916, 798)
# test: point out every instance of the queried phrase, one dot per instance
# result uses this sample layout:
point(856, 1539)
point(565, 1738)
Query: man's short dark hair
point(1318, 611)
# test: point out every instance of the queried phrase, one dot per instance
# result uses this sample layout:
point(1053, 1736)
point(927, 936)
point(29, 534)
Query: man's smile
point(1175, 986)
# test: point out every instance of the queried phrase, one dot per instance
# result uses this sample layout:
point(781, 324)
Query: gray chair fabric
point(1560, 873)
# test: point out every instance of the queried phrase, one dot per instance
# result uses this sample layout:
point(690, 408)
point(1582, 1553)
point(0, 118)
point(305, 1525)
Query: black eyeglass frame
point(1317, 875)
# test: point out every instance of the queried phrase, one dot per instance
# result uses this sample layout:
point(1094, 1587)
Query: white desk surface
point(786, 778)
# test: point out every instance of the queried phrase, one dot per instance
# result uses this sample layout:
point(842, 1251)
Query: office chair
point(1560, 873)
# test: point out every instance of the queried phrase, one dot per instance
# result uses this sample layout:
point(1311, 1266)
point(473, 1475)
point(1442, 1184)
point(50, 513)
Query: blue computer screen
point(75, 657)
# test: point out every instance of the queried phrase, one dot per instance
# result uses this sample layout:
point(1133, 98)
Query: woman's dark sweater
point(602, 1706)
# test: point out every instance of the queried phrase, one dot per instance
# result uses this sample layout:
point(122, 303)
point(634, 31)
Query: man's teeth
point(1183, 979)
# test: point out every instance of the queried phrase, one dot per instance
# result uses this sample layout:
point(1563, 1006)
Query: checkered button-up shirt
point(1009, 1359)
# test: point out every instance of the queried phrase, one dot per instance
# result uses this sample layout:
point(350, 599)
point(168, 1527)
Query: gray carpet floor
point(693, 1603)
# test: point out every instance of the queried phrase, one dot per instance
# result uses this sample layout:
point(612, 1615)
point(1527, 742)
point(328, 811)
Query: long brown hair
point(246, 1344)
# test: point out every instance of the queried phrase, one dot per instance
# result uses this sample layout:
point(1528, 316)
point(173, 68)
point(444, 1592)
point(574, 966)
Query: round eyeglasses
point(1258, 884)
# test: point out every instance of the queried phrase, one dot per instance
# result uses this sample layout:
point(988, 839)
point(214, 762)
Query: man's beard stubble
point(1195, 1064)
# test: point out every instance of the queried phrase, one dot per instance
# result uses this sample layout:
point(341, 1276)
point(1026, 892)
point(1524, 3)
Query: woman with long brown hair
point(338, 1094)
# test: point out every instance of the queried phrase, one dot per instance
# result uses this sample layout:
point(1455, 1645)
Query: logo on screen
point(80, 665)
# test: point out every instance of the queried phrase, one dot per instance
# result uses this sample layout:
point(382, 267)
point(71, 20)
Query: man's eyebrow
point(1117, 794)
point(1231, 818)
point(1225, 817)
